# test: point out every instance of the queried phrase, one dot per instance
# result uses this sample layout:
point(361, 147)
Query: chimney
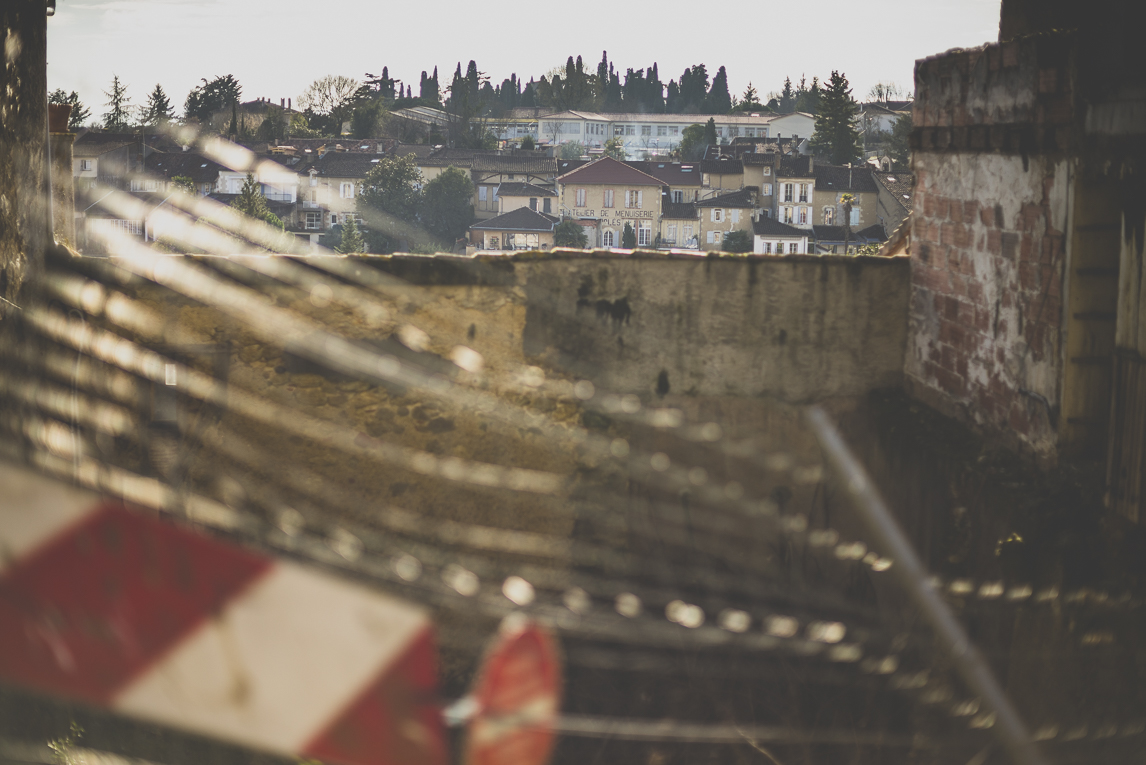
point(811, 163)
point(288, 103)
point(282, 103)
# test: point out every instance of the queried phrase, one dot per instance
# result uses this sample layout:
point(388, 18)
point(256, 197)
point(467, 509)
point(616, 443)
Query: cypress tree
point(719, 100)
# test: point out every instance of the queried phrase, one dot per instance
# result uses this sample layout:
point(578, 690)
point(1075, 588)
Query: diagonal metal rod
point(909, 569)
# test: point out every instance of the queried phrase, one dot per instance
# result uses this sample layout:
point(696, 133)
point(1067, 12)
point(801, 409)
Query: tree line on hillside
point(334, 101)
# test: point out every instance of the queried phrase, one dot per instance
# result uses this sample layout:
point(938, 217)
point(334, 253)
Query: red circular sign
point(518, 692)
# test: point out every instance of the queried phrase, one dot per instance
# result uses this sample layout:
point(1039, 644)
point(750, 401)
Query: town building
point(795, 189)
point(771, 237)
point(605, 195)
point(831, 182)
point(723, 214)
point(519, 229)
point(511, 196)
point(680, 224)
point(894, 196)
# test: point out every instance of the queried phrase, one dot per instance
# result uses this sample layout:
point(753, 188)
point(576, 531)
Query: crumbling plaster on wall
point(987, 289)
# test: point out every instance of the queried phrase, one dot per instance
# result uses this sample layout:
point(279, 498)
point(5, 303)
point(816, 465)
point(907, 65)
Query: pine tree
point(252, 203)
point(836, 134)
point(79, 114)
point(787, 97)
point(352, 242)
point(116, 118)
point(158, 110)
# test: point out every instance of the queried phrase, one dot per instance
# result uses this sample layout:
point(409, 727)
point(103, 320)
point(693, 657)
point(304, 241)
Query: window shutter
point(640, 199)
point(735, 216)
point(710, 237)
point(712, 217)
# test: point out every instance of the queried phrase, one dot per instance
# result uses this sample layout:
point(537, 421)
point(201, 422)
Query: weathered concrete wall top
point(798, 328)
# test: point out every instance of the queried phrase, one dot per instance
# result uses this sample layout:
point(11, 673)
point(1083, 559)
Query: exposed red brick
point(995, 242)
point(987, 216)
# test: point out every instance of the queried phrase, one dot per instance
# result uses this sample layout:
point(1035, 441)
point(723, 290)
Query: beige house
point(488, 170)
point(680, 226)
point(720, 176)
point(511, 196)
point(604, 195)
point(724, 214)
point(832, 182)
point(519, 229)
point(329, 187)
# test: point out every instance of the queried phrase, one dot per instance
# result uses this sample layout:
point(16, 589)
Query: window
point(829, 216)
point(717, 214)
point(618, 130)
point(580, 197)
point(787, 213)
point(803, 192)
point(608, 197)
point(855, 221)
point(789, 192)
point(793, 247)
point(644, 237)
point(482, 191)
point(128, 226)
point(716, 237)
point(634, 198)
point(493, 195)
point(767, 171)
point(346, 190)
point(720, 132)
point(678, 196)
point(646, 129)
point(803, 216)
point(546, 208)
point(533, 203)
point(767, 248)
point(510, 176)
point(671, 233)
point(334, 219)
point(673, 130)
point(531, 241)
point(509, 242)
point(144, 185)
point(313, 221)
point(766, 188)
point(735, 216)
point(687, 233)
point(734, 131)
point(85, 164)
point(662, 130)
point(765, 213)
point(630, 129)
point(607, 238)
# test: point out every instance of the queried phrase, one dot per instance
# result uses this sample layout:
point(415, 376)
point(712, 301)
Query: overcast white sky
point(276, 49)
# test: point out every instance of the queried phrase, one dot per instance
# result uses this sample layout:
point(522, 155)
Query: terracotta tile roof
point(534, 164)
point(836, 178)
point(609, 171)
point(901, 186)
point(679, 210)
point(190, 164)
point(742, 198)
point(773, 227)
point(524, 190)
point(521, 219)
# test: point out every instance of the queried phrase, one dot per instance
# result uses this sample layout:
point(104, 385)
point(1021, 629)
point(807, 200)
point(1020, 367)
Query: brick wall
point(992, 179)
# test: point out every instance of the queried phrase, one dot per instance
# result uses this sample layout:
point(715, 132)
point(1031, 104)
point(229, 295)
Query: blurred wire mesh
point(715, 595)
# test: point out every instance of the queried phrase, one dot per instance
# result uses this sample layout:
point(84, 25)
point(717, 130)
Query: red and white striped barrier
point(121, 610)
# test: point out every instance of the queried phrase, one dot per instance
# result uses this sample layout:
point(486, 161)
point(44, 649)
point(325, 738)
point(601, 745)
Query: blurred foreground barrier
point(116, 608)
